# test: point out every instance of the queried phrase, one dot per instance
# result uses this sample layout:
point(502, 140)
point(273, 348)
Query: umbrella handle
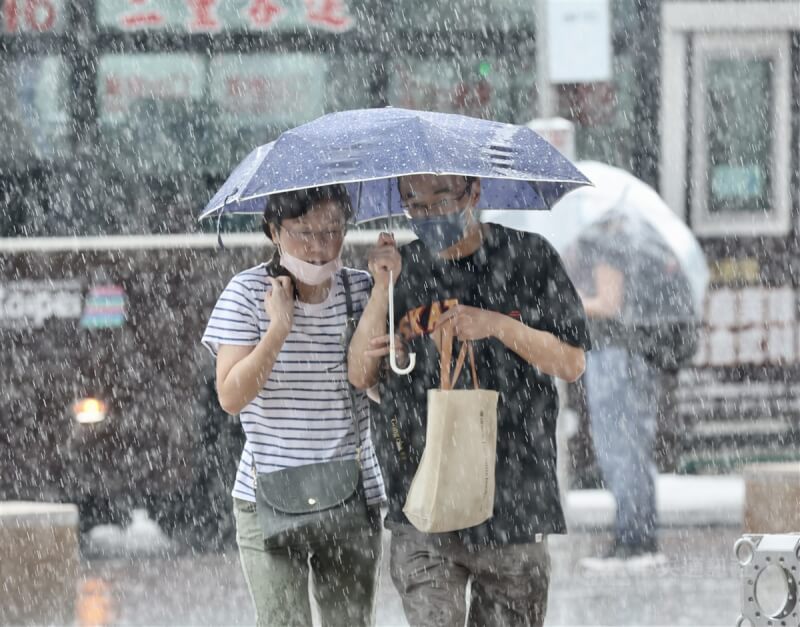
point(412, 357)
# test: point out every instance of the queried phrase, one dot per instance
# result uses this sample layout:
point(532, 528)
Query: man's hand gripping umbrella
point(385, 265)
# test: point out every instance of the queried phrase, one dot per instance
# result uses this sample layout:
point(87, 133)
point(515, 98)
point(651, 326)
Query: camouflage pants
point(344, 577)
point(509, 584)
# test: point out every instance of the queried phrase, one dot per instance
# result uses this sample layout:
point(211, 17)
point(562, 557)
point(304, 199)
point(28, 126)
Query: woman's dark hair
point(291, 205)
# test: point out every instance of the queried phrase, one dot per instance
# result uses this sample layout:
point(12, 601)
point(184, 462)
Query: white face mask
point(310, 273)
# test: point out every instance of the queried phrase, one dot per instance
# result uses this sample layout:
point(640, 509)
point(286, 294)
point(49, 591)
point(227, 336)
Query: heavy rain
point(422, 312)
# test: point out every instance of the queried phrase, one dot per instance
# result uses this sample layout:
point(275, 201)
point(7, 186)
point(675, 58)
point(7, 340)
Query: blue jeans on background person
point(622, 401)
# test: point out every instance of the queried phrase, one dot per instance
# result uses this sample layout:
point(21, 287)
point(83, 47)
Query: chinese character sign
point(211, 16)
point(32, 16)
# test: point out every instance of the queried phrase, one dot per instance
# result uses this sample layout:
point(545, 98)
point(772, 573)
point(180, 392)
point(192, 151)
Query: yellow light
point(89, 410)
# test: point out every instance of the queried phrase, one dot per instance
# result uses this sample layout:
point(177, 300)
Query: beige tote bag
point(453, 487)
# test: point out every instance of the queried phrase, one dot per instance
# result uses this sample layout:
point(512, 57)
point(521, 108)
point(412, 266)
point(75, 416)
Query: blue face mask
point(440, 232)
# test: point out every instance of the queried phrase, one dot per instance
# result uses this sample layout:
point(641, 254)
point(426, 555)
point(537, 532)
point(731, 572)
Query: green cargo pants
point(344, 577)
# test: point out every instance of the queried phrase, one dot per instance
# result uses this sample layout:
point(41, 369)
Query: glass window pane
point(34, 121)
point(738, 102)
point(150, 109)
point(603, 115)
point(453, 15)
point(485, 87)
point(255, 97)
point(168, 112)
point(173, 126)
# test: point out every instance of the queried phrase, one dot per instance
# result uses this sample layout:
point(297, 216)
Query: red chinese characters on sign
point(142, 16)
point(120, 91)
point(259, 95)
point(263, 13)
point(326, 14)
point(38, 16)
point(203, 16)
point(329, 14)
point(195, 16)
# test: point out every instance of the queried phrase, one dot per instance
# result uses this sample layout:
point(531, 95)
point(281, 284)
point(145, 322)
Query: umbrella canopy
point(624, 219)
point(368, 149)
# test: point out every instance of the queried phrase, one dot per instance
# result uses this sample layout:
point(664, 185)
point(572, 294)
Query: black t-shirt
point(517, 274)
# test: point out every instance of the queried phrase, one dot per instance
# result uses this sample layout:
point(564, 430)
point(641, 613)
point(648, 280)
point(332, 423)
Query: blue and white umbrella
point(367, 149)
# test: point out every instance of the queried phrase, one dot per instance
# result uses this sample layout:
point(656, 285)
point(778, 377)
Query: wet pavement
point(699, 585)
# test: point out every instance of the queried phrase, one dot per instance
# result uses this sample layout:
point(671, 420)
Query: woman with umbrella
point(276, 333)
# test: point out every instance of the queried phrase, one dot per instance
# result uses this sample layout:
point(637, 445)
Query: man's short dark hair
point(291, 205)
point(469, 179)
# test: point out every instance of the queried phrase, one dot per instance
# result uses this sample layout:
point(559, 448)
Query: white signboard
point(578, 41)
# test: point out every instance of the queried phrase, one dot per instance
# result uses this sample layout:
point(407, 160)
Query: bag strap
point(448, 381)
point(350, 327)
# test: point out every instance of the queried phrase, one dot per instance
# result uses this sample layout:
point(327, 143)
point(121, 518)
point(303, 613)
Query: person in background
point(622, 399)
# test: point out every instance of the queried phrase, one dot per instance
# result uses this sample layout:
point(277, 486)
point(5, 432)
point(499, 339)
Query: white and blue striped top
point(302, 415)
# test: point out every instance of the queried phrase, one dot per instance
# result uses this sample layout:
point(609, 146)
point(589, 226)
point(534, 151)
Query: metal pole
point(546, 97)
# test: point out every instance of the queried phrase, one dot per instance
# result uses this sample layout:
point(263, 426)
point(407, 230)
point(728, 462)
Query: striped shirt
point(302, 414)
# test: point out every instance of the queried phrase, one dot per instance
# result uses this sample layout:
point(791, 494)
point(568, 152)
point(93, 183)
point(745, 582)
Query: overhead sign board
point(211, 16)
point(579, 41)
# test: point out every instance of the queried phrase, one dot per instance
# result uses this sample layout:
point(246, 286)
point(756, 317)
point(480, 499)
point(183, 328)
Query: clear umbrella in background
point(624, 219)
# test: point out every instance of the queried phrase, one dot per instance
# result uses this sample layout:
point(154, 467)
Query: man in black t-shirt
point(508, 293)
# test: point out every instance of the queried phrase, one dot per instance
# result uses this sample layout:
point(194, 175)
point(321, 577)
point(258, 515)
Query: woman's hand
point(383, 259)
point(279, 304)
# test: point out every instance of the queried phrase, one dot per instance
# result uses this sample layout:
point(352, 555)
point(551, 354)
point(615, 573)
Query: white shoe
point(646, 561)
point(629, 563)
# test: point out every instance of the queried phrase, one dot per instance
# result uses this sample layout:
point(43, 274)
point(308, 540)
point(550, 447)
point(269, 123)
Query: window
point(183, 112)
point(739, 135)
point(486, 87)
point(603, 114)
point(740, 145)
point(173, 125)
point(34, 123)
point(151, 110)
point(462, 15)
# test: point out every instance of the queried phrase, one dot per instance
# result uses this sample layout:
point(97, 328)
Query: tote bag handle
point(448, 380)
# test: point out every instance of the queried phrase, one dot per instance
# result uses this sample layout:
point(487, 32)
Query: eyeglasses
point(325, 235)
point(440, 207)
